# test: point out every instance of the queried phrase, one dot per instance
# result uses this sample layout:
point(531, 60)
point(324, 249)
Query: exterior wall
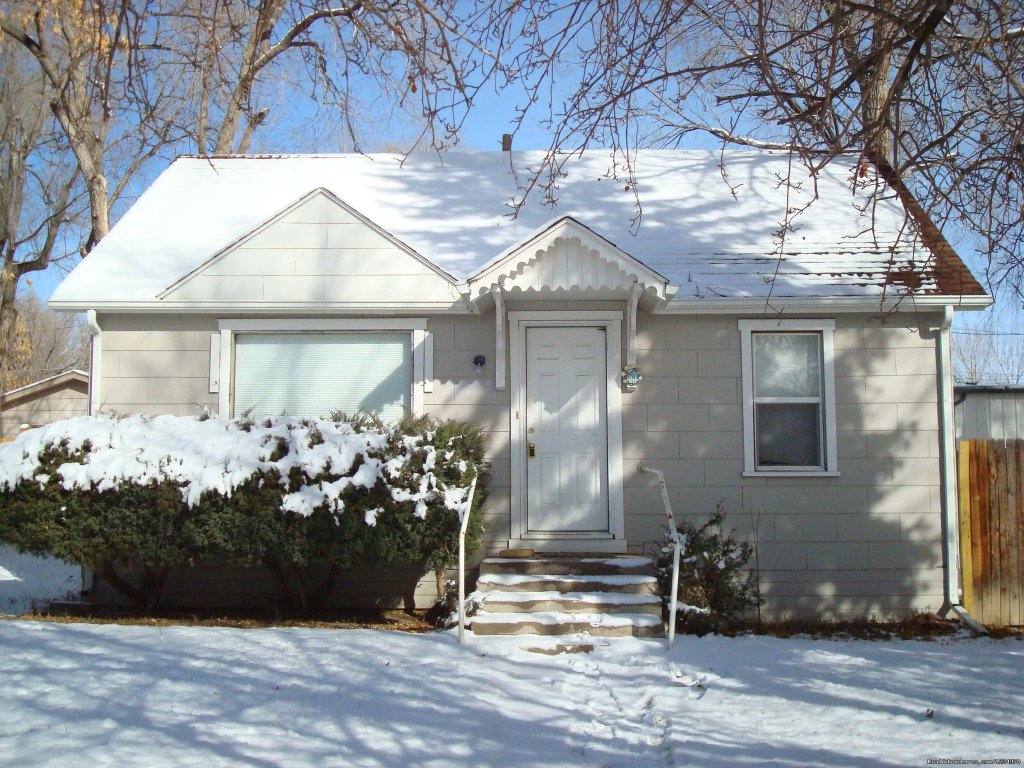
point(461, 393)
point(156, 364)
point(866, 542)
point(316, 252)
point(996, 415)
point(213, 587)
point(71, 399)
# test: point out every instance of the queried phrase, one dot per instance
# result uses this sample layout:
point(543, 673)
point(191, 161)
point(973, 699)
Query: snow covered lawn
point(106, 695)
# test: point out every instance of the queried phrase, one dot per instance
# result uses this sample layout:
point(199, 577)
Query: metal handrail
point(676, 548)
point(464, 513)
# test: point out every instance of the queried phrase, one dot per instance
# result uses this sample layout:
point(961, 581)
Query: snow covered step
point(501, 601)
point(560, 594)
point(558, 623)
point(568, 565)
point(515, 582)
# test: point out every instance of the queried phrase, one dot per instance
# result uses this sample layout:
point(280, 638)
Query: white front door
point(566, 430)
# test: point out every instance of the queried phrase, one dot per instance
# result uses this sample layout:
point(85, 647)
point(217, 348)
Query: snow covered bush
point(716, 585)
point(131, 498)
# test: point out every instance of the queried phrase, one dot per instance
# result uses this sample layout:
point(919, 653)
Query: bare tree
point(929, 88)
point(990, 348)
point(44, 343)
point(132, 78)
point(39, 192)
point(426, 56)
point(116, 105)
point(126, 82)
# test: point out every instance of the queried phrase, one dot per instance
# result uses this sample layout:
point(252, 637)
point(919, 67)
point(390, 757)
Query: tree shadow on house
point(868, 542)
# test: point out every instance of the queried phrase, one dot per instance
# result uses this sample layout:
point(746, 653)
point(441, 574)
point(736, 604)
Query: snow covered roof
point(710, 234)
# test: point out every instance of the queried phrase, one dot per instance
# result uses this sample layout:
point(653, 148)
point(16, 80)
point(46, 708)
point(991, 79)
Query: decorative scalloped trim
point(614, 277)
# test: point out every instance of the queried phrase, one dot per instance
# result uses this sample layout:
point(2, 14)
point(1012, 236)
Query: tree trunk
point(138, 597)
point(282, 583)
point(439, 578)
point(155, 582)
point(8, 320)
point(325, 587)
point(875, 88)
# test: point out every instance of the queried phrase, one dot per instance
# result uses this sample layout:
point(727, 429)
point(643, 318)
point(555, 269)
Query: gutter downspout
point(95, 362)
point(95, 366)
point(950, 502)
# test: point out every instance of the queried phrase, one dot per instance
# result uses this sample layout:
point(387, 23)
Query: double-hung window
point(311, 368)
point(788, 397)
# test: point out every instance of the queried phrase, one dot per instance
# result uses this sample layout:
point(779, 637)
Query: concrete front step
point(515, 582)
point(568, 565)
point(557, 623)
point(504, 601)
point(558, 594)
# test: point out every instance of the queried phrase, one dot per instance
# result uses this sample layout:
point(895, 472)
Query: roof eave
point(822, 304)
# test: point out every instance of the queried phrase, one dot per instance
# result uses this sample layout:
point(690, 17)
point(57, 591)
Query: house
point(781, 348)
point(56, 397)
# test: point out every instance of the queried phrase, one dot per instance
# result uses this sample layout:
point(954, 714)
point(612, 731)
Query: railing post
point(464, 513)
point(676, 548)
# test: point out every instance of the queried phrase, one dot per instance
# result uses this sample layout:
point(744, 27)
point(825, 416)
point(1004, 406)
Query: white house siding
point(156, 364)
point(462, 393)
point(63, 402)
point(316, 252)
point(866, 542)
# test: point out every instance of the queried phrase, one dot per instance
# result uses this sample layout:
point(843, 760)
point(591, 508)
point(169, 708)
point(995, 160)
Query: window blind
point(313, 374)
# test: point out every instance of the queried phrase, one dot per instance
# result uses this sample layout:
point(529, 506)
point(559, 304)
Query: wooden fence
point(991, 482)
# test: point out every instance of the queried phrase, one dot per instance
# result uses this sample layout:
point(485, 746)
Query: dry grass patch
point(921, 626)
point(396, 620)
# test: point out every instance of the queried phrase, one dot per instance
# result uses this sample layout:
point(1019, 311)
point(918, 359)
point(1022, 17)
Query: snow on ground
point(106, 695)
point(28, 582)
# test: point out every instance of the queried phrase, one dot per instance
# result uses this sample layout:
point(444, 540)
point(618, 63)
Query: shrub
point(132, 536)
point(716, 586)
point(132, 498)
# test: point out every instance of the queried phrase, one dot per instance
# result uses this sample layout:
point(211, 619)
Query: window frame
point(421, 344)
point(827, 419)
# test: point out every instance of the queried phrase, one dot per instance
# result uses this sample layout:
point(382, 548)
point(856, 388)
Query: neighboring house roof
point(681, 220)
point(73, 375)
point(1007, 389)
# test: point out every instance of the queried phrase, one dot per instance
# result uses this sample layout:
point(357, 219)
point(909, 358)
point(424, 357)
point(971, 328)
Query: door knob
point(533, 449)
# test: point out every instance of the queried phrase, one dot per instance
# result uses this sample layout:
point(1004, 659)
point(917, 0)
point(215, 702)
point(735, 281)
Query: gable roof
point(319, 192)
point(71, 376)
point(680, 219)
point(597, 264)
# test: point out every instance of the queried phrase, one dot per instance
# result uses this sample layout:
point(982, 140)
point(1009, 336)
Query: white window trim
point(826, 328)
point(421, 341)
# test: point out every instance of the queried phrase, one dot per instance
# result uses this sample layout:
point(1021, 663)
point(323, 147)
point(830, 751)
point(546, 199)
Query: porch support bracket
point(635, 292)
point(499, 337)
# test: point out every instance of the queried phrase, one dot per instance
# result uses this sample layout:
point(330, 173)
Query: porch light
point(478, 363)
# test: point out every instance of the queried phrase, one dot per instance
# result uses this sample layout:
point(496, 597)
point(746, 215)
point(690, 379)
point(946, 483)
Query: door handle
point(532, 447)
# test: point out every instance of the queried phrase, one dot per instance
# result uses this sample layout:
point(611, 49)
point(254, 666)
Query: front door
point(566, 430)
